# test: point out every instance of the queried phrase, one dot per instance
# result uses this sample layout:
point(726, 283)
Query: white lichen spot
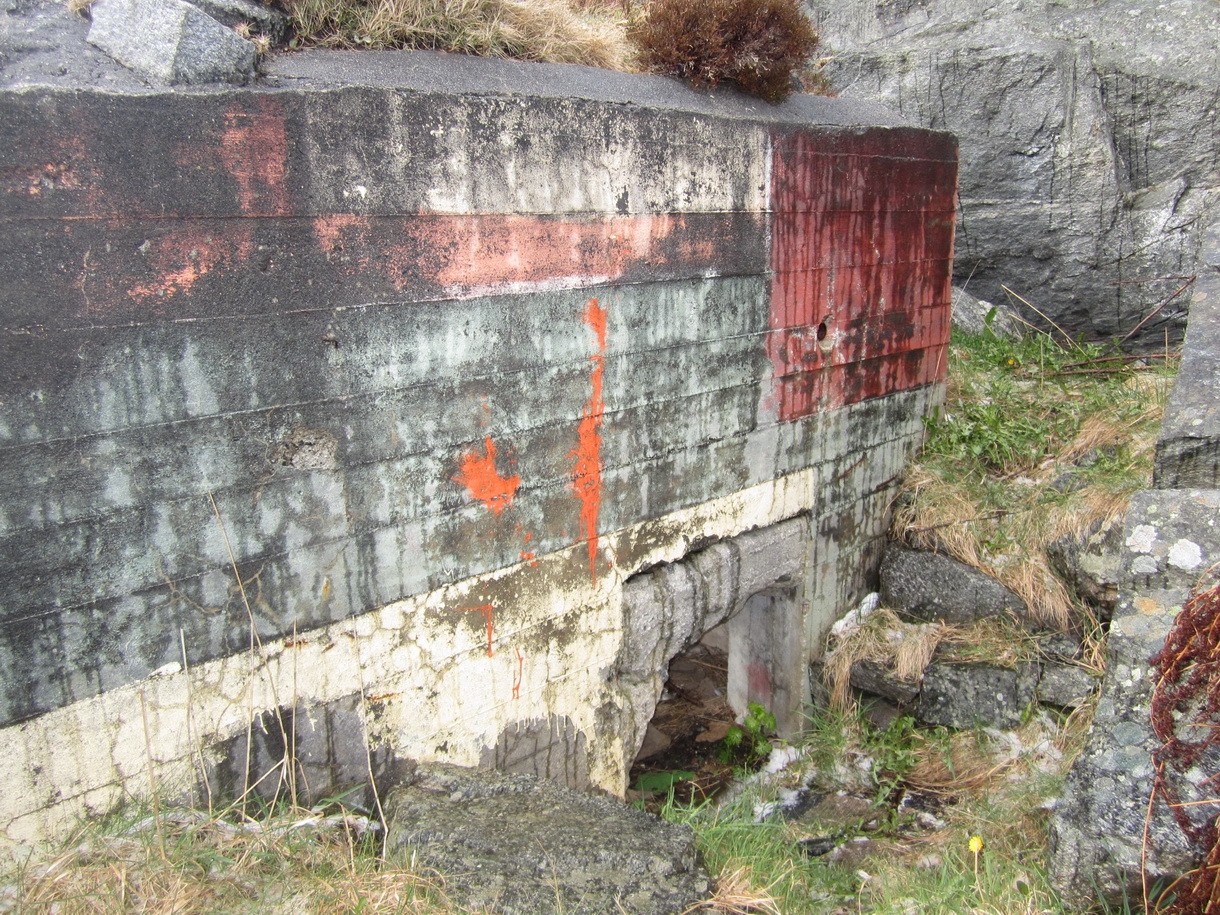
point(357, 190)
point(1142, 538)
point(1144, 565)
point(1185, 554)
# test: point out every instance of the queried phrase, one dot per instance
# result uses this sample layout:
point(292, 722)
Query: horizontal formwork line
point(490, 378)
point(591, 215)
point(538, 487)
point(353, 535)
point(393, 303)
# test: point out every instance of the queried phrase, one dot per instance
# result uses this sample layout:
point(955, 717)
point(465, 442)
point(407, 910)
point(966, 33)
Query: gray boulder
point(935, 587)
point(1097, 829)
point(522, 845)
point(975, 316)
point(1087, 143)
point(171, 42)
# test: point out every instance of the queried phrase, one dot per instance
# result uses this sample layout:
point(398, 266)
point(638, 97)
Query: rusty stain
point(484, 482)
point(587, 464)
point(488, 611)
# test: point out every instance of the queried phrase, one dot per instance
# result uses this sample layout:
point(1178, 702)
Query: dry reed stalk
point(904, 648)
point(735, 894)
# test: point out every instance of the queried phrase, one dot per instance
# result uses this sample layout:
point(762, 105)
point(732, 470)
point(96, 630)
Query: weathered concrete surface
point(1171, 540)
point(1089, 146)
point(522, 845)
point(442, 371)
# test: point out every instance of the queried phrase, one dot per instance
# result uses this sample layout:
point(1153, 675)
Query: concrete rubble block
point(171, 42)
point(258, 17)
point(1065, 685)
point(935, 587)
point(525, 846)
point(976, 695)
point(875, 678)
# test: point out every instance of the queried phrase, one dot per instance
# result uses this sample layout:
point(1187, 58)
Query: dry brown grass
point(737, 894)
point(295, 862)
point(904, 648)
point(1026, 454)
point(554, 31)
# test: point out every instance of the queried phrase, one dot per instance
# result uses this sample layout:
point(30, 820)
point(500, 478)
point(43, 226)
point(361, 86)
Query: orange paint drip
point(587, 463)
point(520, 671)
point(484, 482)
point(488, 610)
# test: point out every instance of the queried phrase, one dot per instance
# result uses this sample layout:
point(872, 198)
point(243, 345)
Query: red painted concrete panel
point(862, 248)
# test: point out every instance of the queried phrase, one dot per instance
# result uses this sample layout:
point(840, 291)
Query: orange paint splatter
point(488, 610)
point(484, 482)
point(587, 463)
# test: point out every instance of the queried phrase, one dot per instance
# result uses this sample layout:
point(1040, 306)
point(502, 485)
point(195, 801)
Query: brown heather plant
point(758, 44)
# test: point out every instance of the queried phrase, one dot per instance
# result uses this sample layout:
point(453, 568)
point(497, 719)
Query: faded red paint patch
point(862, 248)
point(587, 461)
point(254, 150)
point(180, 259)
point(484, 483)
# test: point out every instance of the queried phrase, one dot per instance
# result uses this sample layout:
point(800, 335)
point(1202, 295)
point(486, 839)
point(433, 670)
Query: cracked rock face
point(1089, 155)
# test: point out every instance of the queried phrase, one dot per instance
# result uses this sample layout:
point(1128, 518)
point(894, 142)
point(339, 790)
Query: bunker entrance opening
point(684, 747)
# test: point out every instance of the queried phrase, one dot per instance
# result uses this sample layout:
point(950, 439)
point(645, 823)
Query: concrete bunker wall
point(386, 407)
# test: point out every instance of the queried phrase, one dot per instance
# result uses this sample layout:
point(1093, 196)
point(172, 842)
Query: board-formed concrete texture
point(349, 404)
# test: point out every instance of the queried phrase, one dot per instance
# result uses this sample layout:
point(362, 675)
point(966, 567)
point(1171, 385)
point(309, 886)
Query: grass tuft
point(1035, 440)
point(554, 31)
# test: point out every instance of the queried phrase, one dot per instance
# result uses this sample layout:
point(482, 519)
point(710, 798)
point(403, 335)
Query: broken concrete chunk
point(875, 678)
point(976, 695)
point(526, 846)
point(171, 42)
point(934, 587)
point(1065, 685)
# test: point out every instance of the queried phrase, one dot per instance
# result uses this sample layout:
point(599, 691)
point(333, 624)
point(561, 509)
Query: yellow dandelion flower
point(976, 844)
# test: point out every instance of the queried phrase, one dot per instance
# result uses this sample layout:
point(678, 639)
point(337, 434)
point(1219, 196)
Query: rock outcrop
point(1088, 141)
